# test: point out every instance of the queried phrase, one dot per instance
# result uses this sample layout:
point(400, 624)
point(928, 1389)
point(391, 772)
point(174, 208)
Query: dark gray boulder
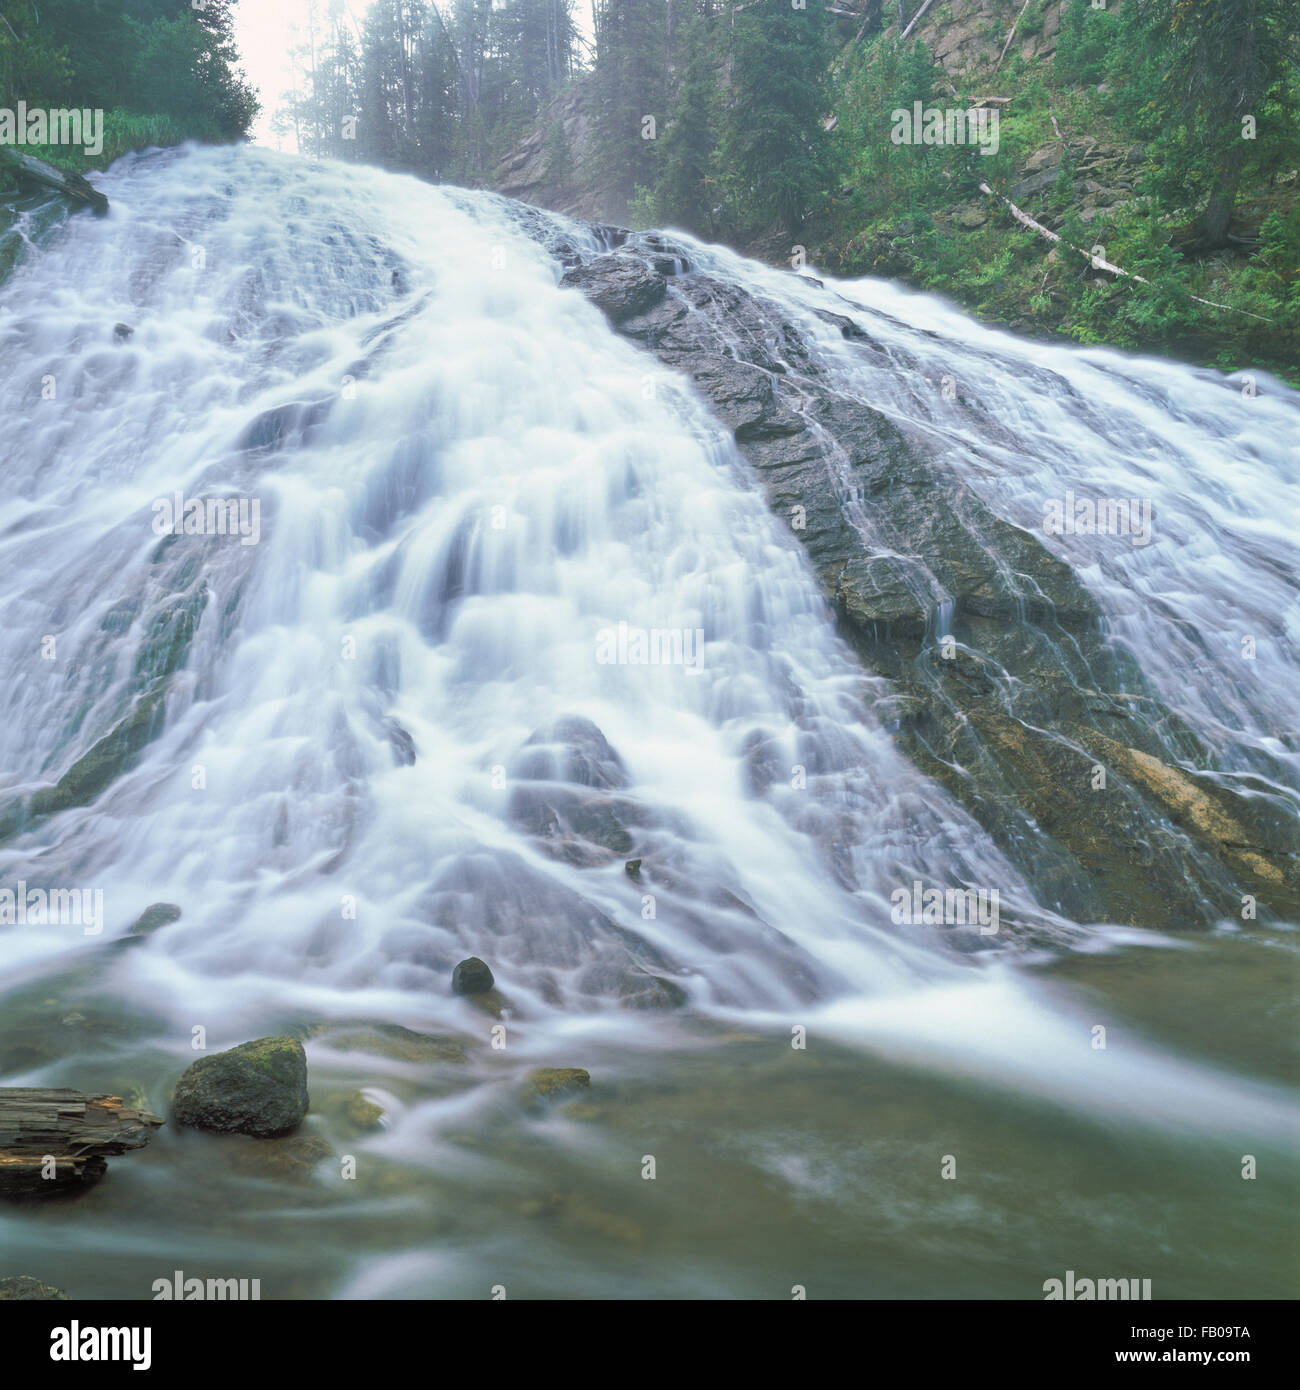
point(471, 976)
point(620, 286)
point(257, 1088)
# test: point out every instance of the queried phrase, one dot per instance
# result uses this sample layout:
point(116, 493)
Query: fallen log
point(915, 17)
point(27, 169)
point(54, 1139)
point(1011, 34)
point(1100, 262)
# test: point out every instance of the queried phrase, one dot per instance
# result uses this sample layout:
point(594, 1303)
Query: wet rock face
point(621, 286)
point(1016, 712)
point(572, 749)
point(257, 1088)
point(565, 778)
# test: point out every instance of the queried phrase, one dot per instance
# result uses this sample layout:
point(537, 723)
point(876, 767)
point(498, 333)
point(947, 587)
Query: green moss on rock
point(22, 1288)
point(554, 1083)
point(258, 1088)
point(104, 762)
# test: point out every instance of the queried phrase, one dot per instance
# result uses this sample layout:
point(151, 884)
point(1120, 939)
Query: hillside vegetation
point(161, 71)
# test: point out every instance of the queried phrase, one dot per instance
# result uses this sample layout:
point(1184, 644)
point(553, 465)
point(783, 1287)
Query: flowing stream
point(457, 482)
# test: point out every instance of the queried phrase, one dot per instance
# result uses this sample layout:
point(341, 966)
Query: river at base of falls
point(946, 1130)
point(774, 1168)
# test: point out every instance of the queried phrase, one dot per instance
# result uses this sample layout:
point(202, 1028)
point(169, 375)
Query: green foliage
point(1165, 65)
point(161, 70)
point(1085, 43)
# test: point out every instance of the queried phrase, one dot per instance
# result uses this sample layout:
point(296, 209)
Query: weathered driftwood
point(52, 1139)
point(29, 169)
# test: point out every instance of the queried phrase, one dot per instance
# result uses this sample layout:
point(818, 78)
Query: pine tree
point(1222, 100)
point(776, 150)
point(684, 193)
point(630, 90)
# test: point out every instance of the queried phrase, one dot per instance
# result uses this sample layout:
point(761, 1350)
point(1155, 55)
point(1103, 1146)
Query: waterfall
point(489, 571)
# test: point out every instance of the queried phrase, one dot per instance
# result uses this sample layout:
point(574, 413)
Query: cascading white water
point(465, 482)
point(489, 483)
point(499, 482)
point(1217, 459)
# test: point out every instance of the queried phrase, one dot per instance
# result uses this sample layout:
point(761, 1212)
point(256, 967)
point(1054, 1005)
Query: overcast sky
point(264, 33)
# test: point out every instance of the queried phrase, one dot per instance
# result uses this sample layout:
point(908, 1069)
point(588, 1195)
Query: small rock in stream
point(471, 976)
point(154, 918)
point(555, 1083)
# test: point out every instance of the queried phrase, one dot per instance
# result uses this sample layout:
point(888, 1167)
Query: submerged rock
point(490, 1002)
point(257, 1088)
point(650, 992)
point(567, 779)
point(361, 1114)
point(154, 918)
point(471, 976)
point(390, 1040)
point(571, 749)
point(288, 1158)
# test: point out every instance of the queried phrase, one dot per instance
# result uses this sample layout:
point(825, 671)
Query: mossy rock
point(258, 1088)
point(363, 1115)
point(22, 1288)
point(104, 762)
point(492, 1003)
point(555, 1083)
point(579, 1209)
point(169, 635)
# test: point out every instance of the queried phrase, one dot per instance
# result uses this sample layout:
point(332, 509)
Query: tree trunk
point(30, 170)
point(1218, 213)
point(51, 1140)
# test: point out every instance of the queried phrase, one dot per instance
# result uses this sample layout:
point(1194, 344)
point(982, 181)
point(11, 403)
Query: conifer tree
point(776, 151)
